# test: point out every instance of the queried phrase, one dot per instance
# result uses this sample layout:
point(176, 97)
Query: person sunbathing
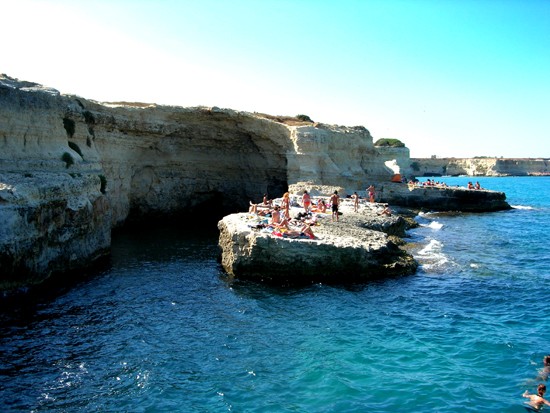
point(277, 220)
point(259, 209)
point(305, 231)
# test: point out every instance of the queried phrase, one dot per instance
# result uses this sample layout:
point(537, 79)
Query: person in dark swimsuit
point(335, 200)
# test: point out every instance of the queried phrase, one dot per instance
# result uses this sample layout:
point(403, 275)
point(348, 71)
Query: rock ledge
point(342, 252)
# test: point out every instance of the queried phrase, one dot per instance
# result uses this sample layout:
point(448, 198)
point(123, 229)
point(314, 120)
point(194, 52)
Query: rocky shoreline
point(72, 170)
point(361, 246)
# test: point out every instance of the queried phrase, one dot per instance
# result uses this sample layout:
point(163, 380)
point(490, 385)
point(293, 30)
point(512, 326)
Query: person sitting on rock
point(259, 209)
point(307, 231)
point(278, 221)
point(386, 210)
point(321, 206)
point(267, 202)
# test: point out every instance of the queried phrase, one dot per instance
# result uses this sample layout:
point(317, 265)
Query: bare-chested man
point(335, 201)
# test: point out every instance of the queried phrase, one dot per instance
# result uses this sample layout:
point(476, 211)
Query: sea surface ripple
point(162, 330)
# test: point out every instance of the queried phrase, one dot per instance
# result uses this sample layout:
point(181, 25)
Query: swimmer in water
point(545, 371)
point(536, 401)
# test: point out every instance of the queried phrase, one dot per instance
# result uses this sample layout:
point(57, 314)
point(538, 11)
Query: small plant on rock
point(68, 159)
point(304, 118)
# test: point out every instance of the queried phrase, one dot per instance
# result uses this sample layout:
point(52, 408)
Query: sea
point(161, 328)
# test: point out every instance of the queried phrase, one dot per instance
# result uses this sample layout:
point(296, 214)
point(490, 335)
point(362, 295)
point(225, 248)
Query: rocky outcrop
point(50, 223)
point(480, 166)
point(347, 251)
point(71, 169)
point(441, 198)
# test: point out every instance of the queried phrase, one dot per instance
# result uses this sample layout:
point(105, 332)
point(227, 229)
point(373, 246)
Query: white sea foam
point(432, 247)
point(431, 256)
point(435, 225)
point(521, 207)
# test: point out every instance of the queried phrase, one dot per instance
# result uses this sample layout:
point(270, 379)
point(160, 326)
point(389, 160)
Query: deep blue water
point(162, 330)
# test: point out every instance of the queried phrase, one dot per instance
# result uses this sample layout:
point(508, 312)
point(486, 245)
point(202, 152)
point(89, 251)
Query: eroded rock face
point(50, 223)
point(480, 167)
point(138, 160)
point(71, 169)
point(343, 252)
point(441, 199)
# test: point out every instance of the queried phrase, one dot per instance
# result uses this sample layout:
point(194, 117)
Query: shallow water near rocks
point(162, 329)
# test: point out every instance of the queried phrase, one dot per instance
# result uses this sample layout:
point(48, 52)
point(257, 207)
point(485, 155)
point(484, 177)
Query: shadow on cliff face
point(202, 214)
point(204, 209)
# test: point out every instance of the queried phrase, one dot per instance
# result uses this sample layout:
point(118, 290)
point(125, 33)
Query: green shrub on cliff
point(392, 143)
point(67, 158)
point(304, 118)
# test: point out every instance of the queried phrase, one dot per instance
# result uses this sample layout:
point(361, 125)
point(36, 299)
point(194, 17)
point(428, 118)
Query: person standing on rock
point(335, 201)
point(371, 193)
point(306, 201)
point(286, 205)
point(355, 202)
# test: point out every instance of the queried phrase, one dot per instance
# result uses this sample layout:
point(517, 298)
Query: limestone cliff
point(71, 169)
point(63, 156)
point(480, 166)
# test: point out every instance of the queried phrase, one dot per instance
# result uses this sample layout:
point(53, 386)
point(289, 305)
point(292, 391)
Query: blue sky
point(458, 78)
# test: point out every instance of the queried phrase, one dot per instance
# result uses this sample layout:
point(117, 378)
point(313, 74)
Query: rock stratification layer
point(480, 166)
point(71, 169)
point(355, 249)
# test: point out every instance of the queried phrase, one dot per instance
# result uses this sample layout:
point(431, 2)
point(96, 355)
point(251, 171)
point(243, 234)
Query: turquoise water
point(162, 330)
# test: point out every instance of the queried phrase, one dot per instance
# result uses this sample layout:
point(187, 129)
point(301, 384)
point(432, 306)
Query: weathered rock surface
point(352, 250)
point(71, 169)
point(441, 199)
point(50, 223)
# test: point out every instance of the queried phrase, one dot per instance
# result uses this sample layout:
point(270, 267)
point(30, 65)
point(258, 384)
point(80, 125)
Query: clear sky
point(458, 78)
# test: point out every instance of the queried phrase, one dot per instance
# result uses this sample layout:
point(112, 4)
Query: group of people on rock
point(433, 183)
point(280, 214)
point(537, 401)
point(281, 221)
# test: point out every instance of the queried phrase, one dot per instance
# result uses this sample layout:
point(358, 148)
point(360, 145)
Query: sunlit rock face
point(114, 162)
point(353, 250)
point(480, 166)
point(71, 169)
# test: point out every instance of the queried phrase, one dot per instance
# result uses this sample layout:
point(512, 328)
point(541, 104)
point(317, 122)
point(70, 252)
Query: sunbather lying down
point(305, 231)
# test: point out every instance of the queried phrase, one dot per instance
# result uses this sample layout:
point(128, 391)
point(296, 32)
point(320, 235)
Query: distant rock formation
point(479, 166)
